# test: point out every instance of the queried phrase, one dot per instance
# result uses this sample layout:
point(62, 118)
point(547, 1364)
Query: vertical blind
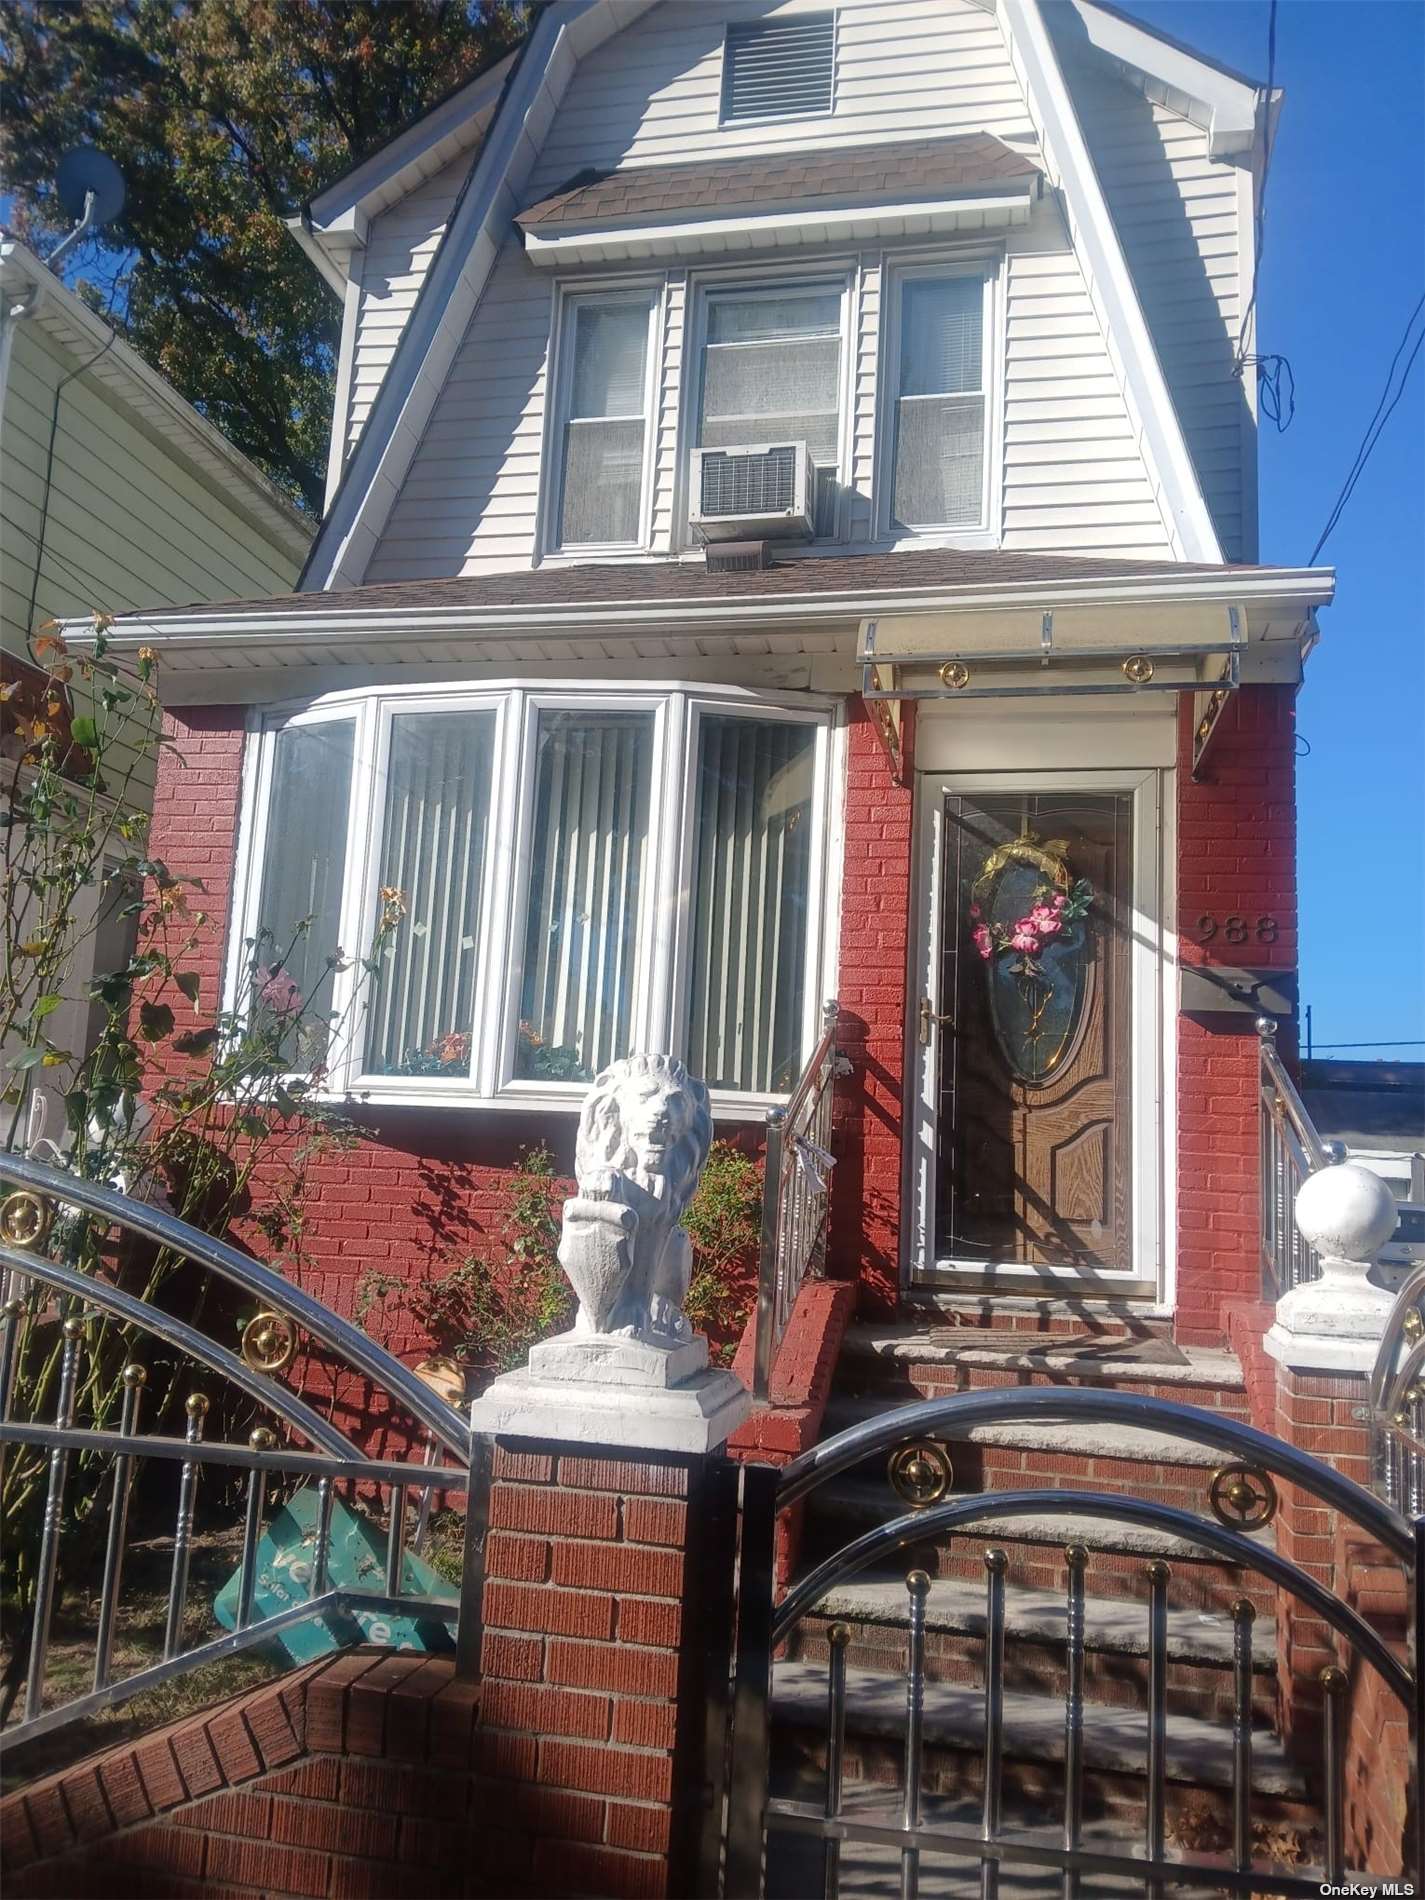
point(747, 982)
point(437, 811)
point(587, 868)
point(772, 372)
point(603, 436)
point(940, 413)
point(299, 908)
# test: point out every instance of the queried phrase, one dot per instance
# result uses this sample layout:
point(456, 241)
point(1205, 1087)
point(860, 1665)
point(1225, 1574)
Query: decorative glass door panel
point(1033, 1079)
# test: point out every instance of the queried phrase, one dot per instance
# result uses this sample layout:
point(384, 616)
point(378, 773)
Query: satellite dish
point(85, 171)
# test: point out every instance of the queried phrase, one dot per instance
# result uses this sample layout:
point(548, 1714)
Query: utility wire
point(1384, 409)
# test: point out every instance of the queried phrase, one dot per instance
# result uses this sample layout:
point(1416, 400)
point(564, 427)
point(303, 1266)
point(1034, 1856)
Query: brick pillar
point(601, 1590)
point(1236, 852)
point(871, 988)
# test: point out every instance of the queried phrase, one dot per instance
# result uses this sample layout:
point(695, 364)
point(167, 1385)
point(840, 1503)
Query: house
point(791, 536)
point(791, 525)
point(115, 494)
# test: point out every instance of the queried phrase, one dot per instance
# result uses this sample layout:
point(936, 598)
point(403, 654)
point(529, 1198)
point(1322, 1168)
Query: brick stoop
point(361, 1776)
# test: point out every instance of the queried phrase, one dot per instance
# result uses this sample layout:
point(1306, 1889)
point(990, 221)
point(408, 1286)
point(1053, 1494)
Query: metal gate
point(832, 1837)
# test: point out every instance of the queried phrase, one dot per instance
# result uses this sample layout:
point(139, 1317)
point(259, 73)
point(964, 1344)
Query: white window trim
point(896, 270)
point(1153, 1100)
point(566, 301)
point(838, 275)
point(660, 991)
point(726, 124)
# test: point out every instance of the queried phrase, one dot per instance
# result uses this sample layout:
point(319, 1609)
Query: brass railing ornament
point(920, 1474)
point(1138, 669)
point(955, 674)
point(1242, 1498)
point(25, 1219)
point(269, 1342)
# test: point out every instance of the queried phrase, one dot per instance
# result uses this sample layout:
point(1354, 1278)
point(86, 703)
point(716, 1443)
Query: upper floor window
point(605, 351)
point(782, 68)
point(581, 873)
point(939, 459)
point(772, 372)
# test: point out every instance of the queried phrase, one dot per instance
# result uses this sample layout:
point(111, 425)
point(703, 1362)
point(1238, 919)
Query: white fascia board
point(1284, 592)
point(780, 230)
point(330, 266)
point(388, 174)
point(151, 400)
point(1139, 373)
point(1226, 107)
point(453, 286)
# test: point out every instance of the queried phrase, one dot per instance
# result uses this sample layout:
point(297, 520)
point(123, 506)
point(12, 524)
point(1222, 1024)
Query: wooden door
point(1033, 1088)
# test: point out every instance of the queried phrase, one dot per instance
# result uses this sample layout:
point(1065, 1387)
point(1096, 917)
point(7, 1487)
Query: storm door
point(1025, 1027)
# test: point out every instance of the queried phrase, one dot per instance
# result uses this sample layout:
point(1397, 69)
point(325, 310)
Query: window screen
point(940, 410)
point(782, 68)
point(772, 373)
point(603, 434)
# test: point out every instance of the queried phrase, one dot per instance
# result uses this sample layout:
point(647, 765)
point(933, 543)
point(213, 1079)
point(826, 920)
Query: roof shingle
point(913, 168)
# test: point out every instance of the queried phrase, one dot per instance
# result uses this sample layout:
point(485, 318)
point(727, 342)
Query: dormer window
point(782, 68)
point(605, 352)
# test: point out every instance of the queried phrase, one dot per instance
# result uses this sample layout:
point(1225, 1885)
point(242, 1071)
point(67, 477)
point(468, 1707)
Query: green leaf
point(188, 981)
point(195, 1042)
point(155, 1021)
point(32, 1057)
point(46, 1006)
point(252, 1125)
point(84, 731)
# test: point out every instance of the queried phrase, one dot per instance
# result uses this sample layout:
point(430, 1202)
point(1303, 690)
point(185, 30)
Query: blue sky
point(1343, 267)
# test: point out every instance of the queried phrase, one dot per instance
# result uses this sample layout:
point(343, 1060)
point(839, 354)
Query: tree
point(224, 116)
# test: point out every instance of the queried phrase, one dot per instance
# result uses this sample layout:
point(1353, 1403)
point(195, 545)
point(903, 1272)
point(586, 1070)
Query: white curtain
point(772, 372)
point(437, 809)
point(603, 438)
point(940, 416)
point(305, 860)
point(587, 870)
point(747, 987)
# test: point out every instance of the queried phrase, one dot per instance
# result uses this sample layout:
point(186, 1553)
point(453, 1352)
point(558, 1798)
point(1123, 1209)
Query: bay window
point(605, 347)
point(938, 476)
point(582, 873)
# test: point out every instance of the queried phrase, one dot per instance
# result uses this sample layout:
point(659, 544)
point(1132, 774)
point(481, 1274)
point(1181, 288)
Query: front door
point(1025, 1029)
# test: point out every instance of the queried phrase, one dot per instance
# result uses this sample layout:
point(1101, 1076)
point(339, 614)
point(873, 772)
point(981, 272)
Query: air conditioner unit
point(765, 491)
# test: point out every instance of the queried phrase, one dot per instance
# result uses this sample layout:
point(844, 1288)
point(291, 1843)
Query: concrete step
point(1027, 1313)
point(1199, 1647)
point(845, 1507)
point(1134, 1444)
point(913, 1359)
point(1198, 1753)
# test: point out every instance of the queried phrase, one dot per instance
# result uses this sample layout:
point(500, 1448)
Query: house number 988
point(1235, 929)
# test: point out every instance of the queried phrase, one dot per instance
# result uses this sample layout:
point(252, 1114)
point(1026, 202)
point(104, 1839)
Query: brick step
point(1107, 1317)
point(844, 1508)
point(908, 1361)
point(1199, 1646)
point(1198, 1752)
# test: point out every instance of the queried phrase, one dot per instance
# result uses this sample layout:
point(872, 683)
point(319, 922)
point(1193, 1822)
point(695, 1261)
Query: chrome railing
point(1397, 1402)
point(103, 1345)
point(796, 1198)
point(1291, 1149)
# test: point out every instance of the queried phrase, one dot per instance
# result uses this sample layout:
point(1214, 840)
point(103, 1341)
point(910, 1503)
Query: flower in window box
point(548, 1062)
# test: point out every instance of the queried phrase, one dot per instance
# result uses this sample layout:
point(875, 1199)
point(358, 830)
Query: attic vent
point(776, 69)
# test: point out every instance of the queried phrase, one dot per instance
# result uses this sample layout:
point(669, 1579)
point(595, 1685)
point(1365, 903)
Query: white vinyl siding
point(778, 68)
point(1180, 221)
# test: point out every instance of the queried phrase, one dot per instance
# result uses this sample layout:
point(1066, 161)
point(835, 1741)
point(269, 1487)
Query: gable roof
point(910, 169)
point(532, 91)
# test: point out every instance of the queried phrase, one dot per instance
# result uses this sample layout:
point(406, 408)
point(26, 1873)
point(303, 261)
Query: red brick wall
point(875, 918)
point(1236, 858)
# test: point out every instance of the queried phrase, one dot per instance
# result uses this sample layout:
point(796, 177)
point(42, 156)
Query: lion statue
point(644, 1135)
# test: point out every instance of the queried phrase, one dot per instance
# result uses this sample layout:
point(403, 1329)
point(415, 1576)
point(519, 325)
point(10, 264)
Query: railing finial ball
point(1244, 1608)
point(13, 1308)
point(261, 1438)
point(1159, 1572)
point(996, 1562)
point(196, 1404)
point(1267, 1028)
point(1333, 1679)
point(73, 1328)
point(135, 1375)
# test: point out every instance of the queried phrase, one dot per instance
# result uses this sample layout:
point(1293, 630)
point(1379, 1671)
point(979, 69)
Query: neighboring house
point(793, 508)
point(114, 494)
point(1377, 1111)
